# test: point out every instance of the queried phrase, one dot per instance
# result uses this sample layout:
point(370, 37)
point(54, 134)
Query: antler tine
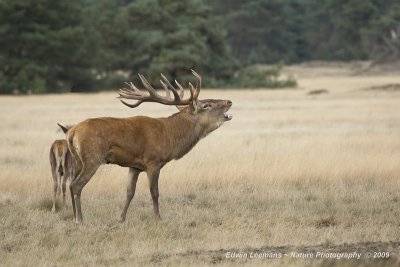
point(181, 91)
point(198, 84)
point(132, 86)
point(148, 86)
point(195, 74)
point(167, 93)
point(176, 95)
point(132, 105)
point(191, 87)
point(127, 92)
point(124, 91)
point(136, 94)
point(151, 95)
point(132, 93)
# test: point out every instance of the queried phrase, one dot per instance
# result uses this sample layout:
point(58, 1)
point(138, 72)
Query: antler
point(152, 96)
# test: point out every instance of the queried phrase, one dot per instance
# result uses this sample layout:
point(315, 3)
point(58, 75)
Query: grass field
point(291, 172)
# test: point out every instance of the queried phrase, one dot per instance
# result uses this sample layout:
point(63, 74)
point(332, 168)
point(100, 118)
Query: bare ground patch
point(385, 87)
point(318, 92)
point(368, 250)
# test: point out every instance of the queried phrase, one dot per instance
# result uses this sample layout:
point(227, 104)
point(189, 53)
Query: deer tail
point(63, 128)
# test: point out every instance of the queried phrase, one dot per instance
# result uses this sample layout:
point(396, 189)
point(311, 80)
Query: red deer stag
point(143, 143)
point(61, 163)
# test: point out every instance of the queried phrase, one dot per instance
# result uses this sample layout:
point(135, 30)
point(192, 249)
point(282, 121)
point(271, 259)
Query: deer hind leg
point(69, 173)
point(130, 192)
point(55, 189)
point(77, 170)
point(77, 185)
point(72, 197)
point(57, 185)
point(153, 174)
point(53, 165)
point(60, 174)
point(64, 183)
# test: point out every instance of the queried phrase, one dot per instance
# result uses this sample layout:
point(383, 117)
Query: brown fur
point(61, 163)
point(140, 143)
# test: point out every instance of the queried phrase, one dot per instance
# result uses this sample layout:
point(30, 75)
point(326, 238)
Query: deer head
point(210, 114)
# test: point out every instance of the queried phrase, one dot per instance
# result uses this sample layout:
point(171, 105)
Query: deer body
point(137, 141)
point(141, 143)
point(61, 168)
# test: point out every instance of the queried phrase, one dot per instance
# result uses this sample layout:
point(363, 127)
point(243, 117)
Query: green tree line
point(88, 45)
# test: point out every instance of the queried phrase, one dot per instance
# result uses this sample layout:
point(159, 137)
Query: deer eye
point(205, 106)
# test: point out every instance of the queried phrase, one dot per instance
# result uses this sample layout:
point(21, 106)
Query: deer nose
point(229, 103)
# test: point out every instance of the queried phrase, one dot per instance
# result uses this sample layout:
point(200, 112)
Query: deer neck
point(184, 132)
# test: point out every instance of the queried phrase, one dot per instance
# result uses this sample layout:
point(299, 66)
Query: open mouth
point(227, 116)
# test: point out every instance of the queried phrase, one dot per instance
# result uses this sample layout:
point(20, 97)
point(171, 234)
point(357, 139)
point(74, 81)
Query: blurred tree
point(100, 18)
point(83, 45)
point(341, 23)
point(172, 37)
point(381, 39)
point(271, 31)
point(42, 46)
point(105, 38)
point(264, 31)
point(358, 29)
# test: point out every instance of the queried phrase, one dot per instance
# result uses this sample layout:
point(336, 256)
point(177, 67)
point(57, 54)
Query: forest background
point(90, 45)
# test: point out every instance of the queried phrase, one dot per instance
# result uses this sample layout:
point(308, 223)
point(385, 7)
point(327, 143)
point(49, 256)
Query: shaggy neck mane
point(184, 132)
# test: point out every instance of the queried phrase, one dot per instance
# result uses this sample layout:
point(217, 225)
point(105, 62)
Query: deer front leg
point(153, 174)
point(130, 192)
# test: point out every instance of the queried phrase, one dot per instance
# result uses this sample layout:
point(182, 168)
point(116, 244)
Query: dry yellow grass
point(289, 169)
